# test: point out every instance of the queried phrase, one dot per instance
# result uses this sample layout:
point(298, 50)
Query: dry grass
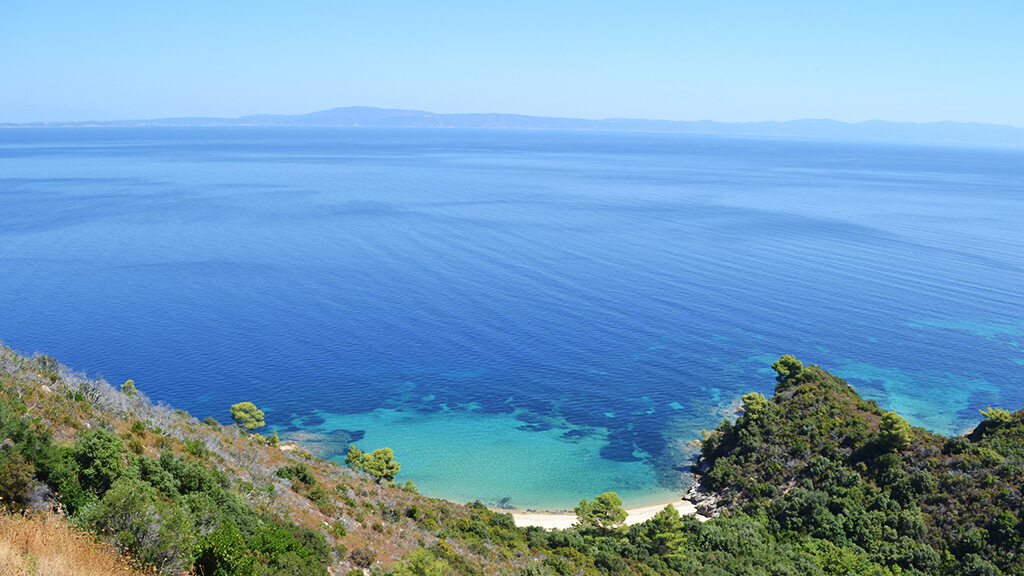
point(44, 544)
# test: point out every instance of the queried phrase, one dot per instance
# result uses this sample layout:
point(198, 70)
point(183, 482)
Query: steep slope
point(813, 481)
point(818, 460)
point(173, 491)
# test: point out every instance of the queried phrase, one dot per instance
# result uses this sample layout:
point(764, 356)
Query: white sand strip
point(565, 520)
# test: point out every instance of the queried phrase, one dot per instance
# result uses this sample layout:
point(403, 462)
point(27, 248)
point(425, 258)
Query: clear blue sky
point(682, 60)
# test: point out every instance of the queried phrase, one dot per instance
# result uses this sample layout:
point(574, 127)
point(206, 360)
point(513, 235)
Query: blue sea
point(527, 318)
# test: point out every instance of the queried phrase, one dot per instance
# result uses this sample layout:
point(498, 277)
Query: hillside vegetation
point(177, 494)
point(818, 460)
point(814, 480)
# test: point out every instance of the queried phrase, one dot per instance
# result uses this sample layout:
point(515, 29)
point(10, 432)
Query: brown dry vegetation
point(44, 544)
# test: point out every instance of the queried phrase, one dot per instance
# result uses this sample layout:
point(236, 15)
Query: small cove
point(527, 318)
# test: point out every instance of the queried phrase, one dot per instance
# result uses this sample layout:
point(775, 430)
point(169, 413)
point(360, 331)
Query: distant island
point(956, 133)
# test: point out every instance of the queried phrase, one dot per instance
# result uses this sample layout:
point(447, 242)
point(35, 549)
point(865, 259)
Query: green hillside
point(814, 480)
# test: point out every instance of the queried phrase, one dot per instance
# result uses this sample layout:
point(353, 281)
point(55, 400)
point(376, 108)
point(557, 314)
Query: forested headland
point(813, 480)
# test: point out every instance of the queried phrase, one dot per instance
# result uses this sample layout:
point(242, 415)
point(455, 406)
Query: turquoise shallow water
point(527, 318)
point(494, 458)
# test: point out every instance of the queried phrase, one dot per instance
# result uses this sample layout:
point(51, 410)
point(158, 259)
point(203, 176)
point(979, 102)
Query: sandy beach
point(564, 520)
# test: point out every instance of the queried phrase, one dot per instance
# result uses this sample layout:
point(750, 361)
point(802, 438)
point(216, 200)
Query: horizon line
point(507, 114)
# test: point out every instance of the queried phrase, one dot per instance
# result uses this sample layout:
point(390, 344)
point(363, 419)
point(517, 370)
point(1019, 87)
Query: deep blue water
point(537, 316)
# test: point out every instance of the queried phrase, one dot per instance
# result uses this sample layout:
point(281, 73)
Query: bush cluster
point(171, 513)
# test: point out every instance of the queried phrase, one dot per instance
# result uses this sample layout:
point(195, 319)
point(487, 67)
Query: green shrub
point(196, 447)
point(17, 476)
point(273, 541)
point(363, 557)
point(420, 562)
point(223, 553)
point(297, 471)
point(559, 565)
point(503, 521)
point(99, 455)
point(155, 530)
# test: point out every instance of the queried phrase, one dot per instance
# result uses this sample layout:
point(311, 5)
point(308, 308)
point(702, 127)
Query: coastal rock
point(709, 508)
point(706, 502)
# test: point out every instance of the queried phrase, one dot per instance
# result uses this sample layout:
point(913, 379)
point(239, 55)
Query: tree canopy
point(754, 404)
point(380, 463)
point(788, 367)
point(247, 415)
point(604, 514)
point(894, 431)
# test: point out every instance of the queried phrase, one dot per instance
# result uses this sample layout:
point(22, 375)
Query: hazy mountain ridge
point(967, 133)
